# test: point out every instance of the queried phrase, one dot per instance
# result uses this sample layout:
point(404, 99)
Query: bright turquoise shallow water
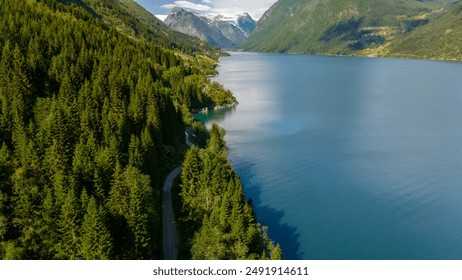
point(349, 158)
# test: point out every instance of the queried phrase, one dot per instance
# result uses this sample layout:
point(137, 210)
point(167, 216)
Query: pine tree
point(27, 198)
point(119, 193)
point(140, 216)
point(49, 224)
point(69, 245)
point(20, 88)
point(135, 155)
point(191, 183)
point(209, 243)
point(83, 166)
point(96, 238)
point(276, 253)
point(6, 119)
point(13, 251)
point(150, 156)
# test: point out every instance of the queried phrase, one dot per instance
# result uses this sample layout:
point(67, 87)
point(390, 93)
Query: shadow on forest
point(284, 234)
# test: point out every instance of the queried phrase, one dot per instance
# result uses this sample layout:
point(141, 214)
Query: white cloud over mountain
point(255, 8)
point(189, 5)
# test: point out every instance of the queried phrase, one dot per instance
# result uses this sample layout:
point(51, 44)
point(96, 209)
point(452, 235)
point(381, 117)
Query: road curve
point(168, 219)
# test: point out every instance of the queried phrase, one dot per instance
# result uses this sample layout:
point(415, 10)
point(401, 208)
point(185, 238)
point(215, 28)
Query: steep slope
point(189, 23)
point(91, 120)
point(440, 39)
point(129, 17)
point(246, 23)
point(229, 31)
point(217, 31)
point(338, 26)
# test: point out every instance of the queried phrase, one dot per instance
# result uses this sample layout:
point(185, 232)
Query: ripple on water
point(363, 164)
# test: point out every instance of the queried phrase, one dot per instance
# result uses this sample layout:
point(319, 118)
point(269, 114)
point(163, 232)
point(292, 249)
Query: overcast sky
point(256, 8)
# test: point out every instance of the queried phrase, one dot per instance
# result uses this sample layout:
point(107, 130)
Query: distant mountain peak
point(177, 9)
point(246, 23)
point(224, 31)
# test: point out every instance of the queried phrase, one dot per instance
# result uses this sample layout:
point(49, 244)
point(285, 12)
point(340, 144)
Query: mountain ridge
point(217, 30)
point(133, 20)
point(340, 27)
point(92, 117)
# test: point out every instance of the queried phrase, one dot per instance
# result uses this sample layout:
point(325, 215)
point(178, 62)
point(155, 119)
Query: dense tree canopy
point(86, 115)
point(214, 202)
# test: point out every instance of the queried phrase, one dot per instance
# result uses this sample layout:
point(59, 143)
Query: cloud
point(256, 8)
point(188, 5)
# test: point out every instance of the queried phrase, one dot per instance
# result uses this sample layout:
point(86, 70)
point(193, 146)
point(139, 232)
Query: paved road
point(168, 220)
point(188, 142)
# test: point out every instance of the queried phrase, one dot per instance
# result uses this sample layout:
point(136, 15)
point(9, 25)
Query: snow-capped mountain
point(224, 31)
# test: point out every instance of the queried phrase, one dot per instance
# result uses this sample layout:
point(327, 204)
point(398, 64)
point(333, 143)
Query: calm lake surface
point(349, 158)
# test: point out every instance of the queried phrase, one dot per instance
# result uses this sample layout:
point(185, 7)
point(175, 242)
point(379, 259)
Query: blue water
point(349, 158)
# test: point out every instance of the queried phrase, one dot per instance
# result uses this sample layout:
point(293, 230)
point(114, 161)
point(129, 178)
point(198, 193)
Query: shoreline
point(206, 110)
point(397, 56)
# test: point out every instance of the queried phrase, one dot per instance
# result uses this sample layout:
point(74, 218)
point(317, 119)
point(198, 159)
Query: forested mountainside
point(440, 39)
point(133, 20)
point(91, 120)
point(341, 27)
point(215, 210)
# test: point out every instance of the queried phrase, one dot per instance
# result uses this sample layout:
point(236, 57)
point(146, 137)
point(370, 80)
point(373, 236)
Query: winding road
point(168, 219)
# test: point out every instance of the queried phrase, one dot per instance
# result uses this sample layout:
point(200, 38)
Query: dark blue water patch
point(349, 158)
point(272, 216)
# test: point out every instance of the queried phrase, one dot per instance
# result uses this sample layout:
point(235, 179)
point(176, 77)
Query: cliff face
point(217, 31)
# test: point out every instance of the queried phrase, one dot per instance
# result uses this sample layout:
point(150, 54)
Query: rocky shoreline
point(215, 108)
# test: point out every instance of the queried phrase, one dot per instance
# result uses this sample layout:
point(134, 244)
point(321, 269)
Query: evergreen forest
point(91, 121)
point(215, 209)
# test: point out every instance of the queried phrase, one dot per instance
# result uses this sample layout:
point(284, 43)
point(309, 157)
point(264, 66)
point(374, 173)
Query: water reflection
point(349, 158)
point(280, 231)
